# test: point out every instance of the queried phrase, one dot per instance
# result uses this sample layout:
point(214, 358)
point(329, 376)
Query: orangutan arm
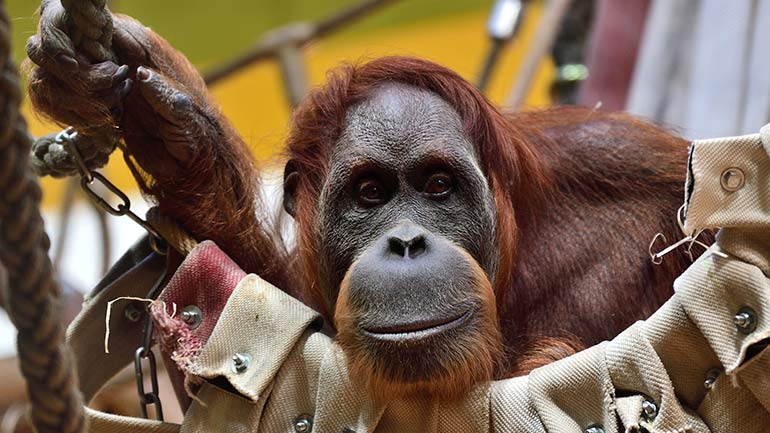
point(187, 156)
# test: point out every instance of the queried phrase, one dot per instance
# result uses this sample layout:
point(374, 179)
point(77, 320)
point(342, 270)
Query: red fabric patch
point(206, 279)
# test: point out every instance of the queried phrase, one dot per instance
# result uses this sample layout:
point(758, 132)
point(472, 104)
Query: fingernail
point(121, 72)
point(68, 63)
point(142, 73)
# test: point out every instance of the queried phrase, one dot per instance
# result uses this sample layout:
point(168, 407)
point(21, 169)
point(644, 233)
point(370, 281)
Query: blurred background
point(696, 67)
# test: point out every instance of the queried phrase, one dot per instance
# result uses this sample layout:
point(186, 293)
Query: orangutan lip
point(416, 331)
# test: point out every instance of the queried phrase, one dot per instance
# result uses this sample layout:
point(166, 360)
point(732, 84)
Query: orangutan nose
point(407, 241)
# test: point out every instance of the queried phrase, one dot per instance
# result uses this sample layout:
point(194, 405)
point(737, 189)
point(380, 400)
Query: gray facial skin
point(398, 140)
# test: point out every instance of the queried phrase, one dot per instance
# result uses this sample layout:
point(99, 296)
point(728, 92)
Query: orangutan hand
point(168, 117)
point(201, 172)
point(76, 93)
point(166, 129)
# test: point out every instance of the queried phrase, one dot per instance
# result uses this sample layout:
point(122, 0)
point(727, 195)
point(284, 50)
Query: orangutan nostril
point(416, 247)
point(396, 246)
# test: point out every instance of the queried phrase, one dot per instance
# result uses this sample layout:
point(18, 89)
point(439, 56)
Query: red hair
point(508, 163)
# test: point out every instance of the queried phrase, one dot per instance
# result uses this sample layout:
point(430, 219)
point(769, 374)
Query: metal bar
point(489, 64)
point(348, 16)
point(547, 30)
point(269, 46)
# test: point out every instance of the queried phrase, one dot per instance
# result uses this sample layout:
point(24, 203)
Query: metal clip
point(67, 137)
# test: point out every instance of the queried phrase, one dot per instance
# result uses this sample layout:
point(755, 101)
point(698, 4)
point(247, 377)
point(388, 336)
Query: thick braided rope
point(56, 405)
point(88, 23)
point(90, 27)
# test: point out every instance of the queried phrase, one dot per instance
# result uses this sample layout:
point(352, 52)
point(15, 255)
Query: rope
point(172, 233)
point(51, 158)
point(90, 27)
point(56, 405)
point(85, 27)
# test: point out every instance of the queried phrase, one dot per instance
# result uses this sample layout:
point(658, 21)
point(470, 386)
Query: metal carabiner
point(67, 138)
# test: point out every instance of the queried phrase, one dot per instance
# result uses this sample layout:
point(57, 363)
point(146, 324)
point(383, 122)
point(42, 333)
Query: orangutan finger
point(131, 39)
point(59, 64)
point(113, 96)
point(58, 102)
point(178, 123)
point(173, 105)
point(105, 75)
point(51, 41)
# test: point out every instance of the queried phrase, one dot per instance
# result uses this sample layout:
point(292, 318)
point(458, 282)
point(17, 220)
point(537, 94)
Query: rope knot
point(50, 157)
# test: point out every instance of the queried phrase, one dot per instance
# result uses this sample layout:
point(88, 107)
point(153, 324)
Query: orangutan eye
point(371, 193)
point(438, 185)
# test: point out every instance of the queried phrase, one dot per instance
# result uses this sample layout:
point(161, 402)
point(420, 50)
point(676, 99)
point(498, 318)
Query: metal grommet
point(732, 179)
point(133, 312)
point(712, 377)
point(649, 410)
point(746, 320)
point(241, 362)
point(192, 316)
point(595, 428)
point(303, 424)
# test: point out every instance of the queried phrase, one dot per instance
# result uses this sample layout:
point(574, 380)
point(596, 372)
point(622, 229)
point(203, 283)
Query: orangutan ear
point(290, 182)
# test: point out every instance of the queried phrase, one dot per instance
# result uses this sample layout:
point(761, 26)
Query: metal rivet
point(595, 428)
point(241, 362)
point(303, 424)
point(711, 377)
point(746, 320)
point(649, 409)
point(133, 312)
point(192, 316)
point(732, 179)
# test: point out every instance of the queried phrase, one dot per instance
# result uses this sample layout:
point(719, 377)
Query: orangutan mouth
point(417, 330)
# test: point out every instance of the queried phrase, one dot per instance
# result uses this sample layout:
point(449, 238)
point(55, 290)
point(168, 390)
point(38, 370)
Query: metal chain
point(88, 179)
point(144, 351)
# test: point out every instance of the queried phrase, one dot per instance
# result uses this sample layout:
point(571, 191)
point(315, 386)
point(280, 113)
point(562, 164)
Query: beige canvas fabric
point(85, 334)
point(652, 377)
